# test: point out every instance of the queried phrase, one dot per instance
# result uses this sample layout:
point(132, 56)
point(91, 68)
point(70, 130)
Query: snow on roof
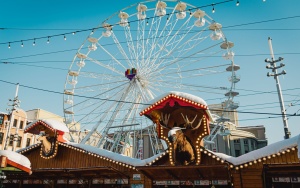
point(181, 94)
point(115, 156)
point(16, 157)
point(55, 124)
point(263, 152)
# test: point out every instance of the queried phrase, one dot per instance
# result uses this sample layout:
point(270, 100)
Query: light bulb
point(48, 41)
point(22, 45)
point(65, 38)
point(73, 33)
point(9, 45)
point(33, 44)
point(213, 9)
point(237, 3)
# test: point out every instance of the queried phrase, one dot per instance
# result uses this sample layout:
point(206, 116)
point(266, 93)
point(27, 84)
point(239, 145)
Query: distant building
point(12, 135)
point(237, 140)
point(38, 113)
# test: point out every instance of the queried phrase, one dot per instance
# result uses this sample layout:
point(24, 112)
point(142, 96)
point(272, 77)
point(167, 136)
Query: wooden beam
point(172, 174)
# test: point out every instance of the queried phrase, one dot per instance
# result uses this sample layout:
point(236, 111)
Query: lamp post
point(272, 65)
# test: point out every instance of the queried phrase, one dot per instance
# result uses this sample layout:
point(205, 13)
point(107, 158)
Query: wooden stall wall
point(252, 176)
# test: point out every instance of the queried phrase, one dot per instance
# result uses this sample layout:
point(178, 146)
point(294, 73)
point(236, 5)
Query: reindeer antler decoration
point(189, 123)
point(164, 120)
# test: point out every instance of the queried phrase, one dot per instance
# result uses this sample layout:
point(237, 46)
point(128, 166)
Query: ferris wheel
point(133, 56)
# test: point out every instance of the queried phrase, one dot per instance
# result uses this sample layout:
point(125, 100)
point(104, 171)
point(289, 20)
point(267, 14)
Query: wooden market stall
point(182, 120)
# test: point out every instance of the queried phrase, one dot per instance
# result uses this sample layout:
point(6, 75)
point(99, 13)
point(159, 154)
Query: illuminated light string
point(93, 29)
point(263, 159)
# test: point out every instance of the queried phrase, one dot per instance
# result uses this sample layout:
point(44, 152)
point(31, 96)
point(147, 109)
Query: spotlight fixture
point(33, 44)
point(9, 45)
point(237, 3)
point(48, 41)
point(65, 38)
point(22, 45)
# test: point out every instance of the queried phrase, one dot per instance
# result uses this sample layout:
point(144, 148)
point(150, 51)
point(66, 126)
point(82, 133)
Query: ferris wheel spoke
point(140, 44)
point(102, 76)
point(88, 103)
point(105, 65)
point(115, 113)
point(115, 104)
point(121, 49)
point(131, 46)
point(191, 55)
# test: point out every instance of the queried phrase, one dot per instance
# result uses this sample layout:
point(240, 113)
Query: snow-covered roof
point(266, 151)
point(114, 156)
point(17, 158)
point(263, 152)
point(54, 124)
point(4, 113)
point(181, 94)
point(188, 96)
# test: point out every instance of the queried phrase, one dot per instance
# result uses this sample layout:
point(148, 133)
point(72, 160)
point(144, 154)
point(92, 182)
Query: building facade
point(237, 140)
point(12, 136)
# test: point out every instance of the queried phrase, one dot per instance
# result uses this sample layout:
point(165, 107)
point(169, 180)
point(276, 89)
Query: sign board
point(137, 186)
point(73, 181)
point(62, 181)
point(281, 179)
point(136, 177)
point(295, 179)
point(219, 182)
point(159, 182)
point(201, 182)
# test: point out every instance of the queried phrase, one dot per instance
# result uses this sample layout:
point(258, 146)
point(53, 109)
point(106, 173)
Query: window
point(15, 123)
point(237, 153)
point(28, 142)
point(21, 124)
point(236, 141)
point(11, 140)
point(19, 141)
point(1, 137)
point(1, 119)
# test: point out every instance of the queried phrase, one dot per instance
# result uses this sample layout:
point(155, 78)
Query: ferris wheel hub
point(130, 73)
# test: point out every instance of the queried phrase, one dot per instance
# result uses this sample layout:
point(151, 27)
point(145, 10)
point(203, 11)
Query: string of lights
point(112, 25)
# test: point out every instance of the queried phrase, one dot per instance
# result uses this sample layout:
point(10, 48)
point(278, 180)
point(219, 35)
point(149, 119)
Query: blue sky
point(43, 68)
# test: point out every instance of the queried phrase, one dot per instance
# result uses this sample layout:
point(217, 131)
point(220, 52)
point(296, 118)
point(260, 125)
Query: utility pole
point(272, 65)
point(15, 104)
